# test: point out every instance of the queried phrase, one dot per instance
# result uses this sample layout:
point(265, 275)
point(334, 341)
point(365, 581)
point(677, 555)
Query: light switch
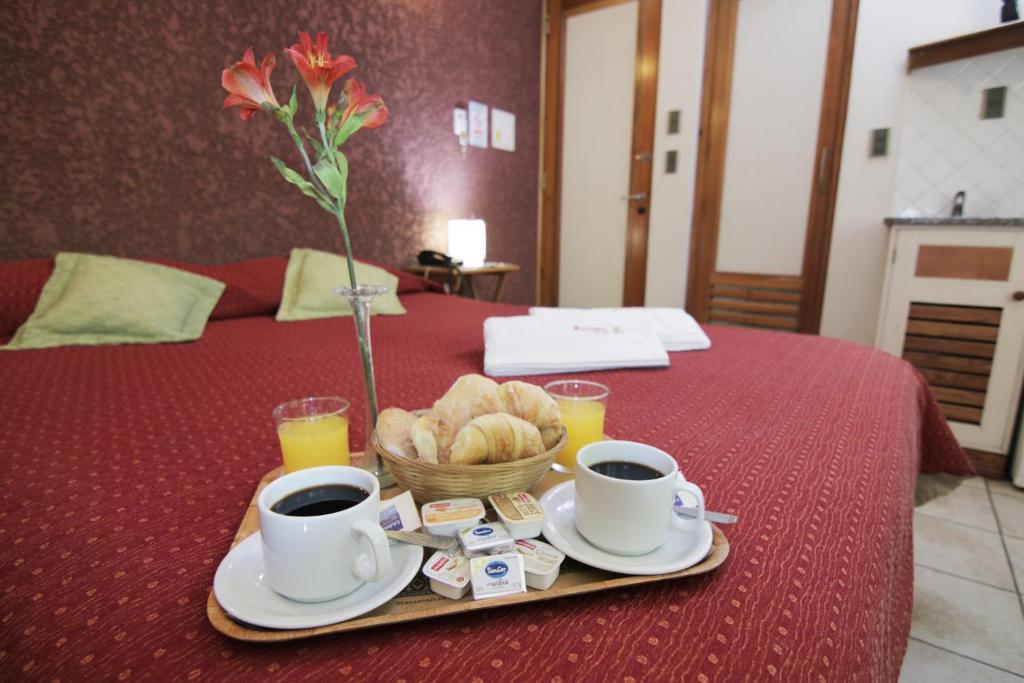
point(674, 117)
point(879, 142)
point(993, 102)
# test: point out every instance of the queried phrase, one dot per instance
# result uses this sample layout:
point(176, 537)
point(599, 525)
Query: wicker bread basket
point(429, 482)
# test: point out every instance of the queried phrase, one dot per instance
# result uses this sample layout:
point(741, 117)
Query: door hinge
point(893, 256)
point(543, 182)
point(547, 24)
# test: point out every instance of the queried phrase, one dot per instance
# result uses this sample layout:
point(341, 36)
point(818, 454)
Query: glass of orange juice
point(582, 404)
point(313, 432)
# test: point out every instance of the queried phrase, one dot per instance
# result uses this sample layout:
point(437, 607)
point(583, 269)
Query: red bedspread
point(127, 470)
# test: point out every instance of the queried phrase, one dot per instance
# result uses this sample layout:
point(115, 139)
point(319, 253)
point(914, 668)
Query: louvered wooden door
point(767, 178)
point(767, 301)
point(951, 310)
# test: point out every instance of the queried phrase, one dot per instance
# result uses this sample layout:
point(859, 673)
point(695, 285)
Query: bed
point(126, 470)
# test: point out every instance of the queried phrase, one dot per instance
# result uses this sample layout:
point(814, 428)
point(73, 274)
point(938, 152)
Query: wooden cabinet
point(952, 307)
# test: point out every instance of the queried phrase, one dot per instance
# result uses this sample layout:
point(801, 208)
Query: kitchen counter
point(967, 221)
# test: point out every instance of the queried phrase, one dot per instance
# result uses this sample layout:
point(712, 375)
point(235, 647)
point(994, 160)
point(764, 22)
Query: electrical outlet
point(879, 142)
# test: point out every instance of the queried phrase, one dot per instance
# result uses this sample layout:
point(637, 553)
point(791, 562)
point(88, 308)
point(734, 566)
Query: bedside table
point(457, 277)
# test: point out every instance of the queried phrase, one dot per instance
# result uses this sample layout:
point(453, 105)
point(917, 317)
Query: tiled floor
point(968, 622)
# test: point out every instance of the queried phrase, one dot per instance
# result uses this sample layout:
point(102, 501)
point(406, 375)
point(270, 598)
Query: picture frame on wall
point(503, 130)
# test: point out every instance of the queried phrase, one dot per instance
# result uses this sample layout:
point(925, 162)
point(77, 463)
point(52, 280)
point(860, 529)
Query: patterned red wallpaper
point(113, 140)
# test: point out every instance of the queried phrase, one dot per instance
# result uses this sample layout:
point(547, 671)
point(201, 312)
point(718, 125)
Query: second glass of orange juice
point(313, 432)
point(582, 404)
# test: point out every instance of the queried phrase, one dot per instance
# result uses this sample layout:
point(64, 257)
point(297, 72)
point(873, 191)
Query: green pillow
point(311, 281)
point(95, 300)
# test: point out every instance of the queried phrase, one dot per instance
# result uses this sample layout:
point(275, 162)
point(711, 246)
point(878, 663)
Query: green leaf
point(293, 102)
point(342, 161)
point(304, 185)
point(332, 179)
point(345, 132)
point(318, 148)
point(342, 165)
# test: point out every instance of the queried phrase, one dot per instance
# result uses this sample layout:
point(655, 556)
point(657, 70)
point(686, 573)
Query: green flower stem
point(305, 158)
point(364, 346)
point(328, 148)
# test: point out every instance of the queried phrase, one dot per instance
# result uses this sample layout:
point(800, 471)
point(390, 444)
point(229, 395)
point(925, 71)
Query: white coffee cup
point(323, 557)
point(624, 516)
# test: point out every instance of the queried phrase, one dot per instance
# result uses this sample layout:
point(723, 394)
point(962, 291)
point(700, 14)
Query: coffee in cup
point(320, 500)
point(321, 534)
point(623, 469)
point(624, 496)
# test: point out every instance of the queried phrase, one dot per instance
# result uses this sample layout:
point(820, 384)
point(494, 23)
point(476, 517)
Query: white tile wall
point(945, 146)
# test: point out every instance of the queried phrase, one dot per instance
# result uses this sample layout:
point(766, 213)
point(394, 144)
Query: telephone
point(428, 257)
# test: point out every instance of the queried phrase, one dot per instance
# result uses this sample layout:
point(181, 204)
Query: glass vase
point(360, 298)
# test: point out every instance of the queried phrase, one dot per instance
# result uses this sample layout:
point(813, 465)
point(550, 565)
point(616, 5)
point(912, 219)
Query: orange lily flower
point(361, 111)
point(318, 69)
point(370, 107)
point(248, 86)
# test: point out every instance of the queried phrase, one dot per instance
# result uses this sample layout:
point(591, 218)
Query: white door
point(769, 158)
point(597, 133)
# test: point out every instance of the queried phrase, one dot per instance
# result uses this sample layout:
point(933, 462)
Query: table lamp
point(467, 240)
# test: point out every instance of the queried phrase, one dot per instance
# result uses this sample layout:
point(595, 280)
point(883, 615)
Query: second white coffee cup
point(629, 516)
point(324, 556)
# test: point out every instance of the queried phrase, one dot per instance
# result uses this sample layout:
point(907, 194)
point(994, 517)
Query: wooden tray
point(418, 602)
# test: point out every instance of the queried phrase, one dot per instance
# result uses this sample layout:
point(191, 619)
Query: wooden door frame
point(716, 89)
point(714, 124)
point(644, 104)
point(831, 127)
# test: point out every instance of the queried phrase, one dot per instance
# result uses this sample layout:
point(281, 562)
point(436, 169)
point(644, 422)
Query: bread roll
point(432, 437)
point(393, 430)
point(531, 403)
point(470, 396)
point(495, 438)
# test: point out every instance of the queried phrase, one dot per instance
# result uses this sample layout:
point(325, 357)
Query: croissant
point(393, 430)
point(470, 396)
point(495, 438)
point(432, 437)
point(533, 404)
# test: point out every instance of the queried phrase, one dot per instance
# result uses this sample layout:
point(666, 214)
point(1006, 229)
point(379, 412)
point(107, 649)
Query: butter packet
point(448, 517)
point(497, 575)
point(541, 562)
point(485, 537)
point(519, 512)
point(448, 571)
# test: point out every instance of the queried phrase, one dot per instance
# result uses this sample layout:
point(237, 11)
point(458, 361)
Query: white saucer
point(242, 590)
point(684, 548)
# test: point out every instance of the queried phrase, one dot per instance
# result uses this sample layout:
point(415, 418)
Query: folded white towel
point(675, 327)
point(539, 345)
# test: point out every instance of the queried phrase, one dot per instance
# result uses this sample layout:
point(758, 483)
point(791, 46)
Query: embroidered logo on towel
point(614, 329)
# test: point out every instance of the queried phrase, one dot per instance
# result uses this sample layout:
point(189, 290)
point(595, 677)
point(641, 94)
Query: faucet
point(958, 204)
